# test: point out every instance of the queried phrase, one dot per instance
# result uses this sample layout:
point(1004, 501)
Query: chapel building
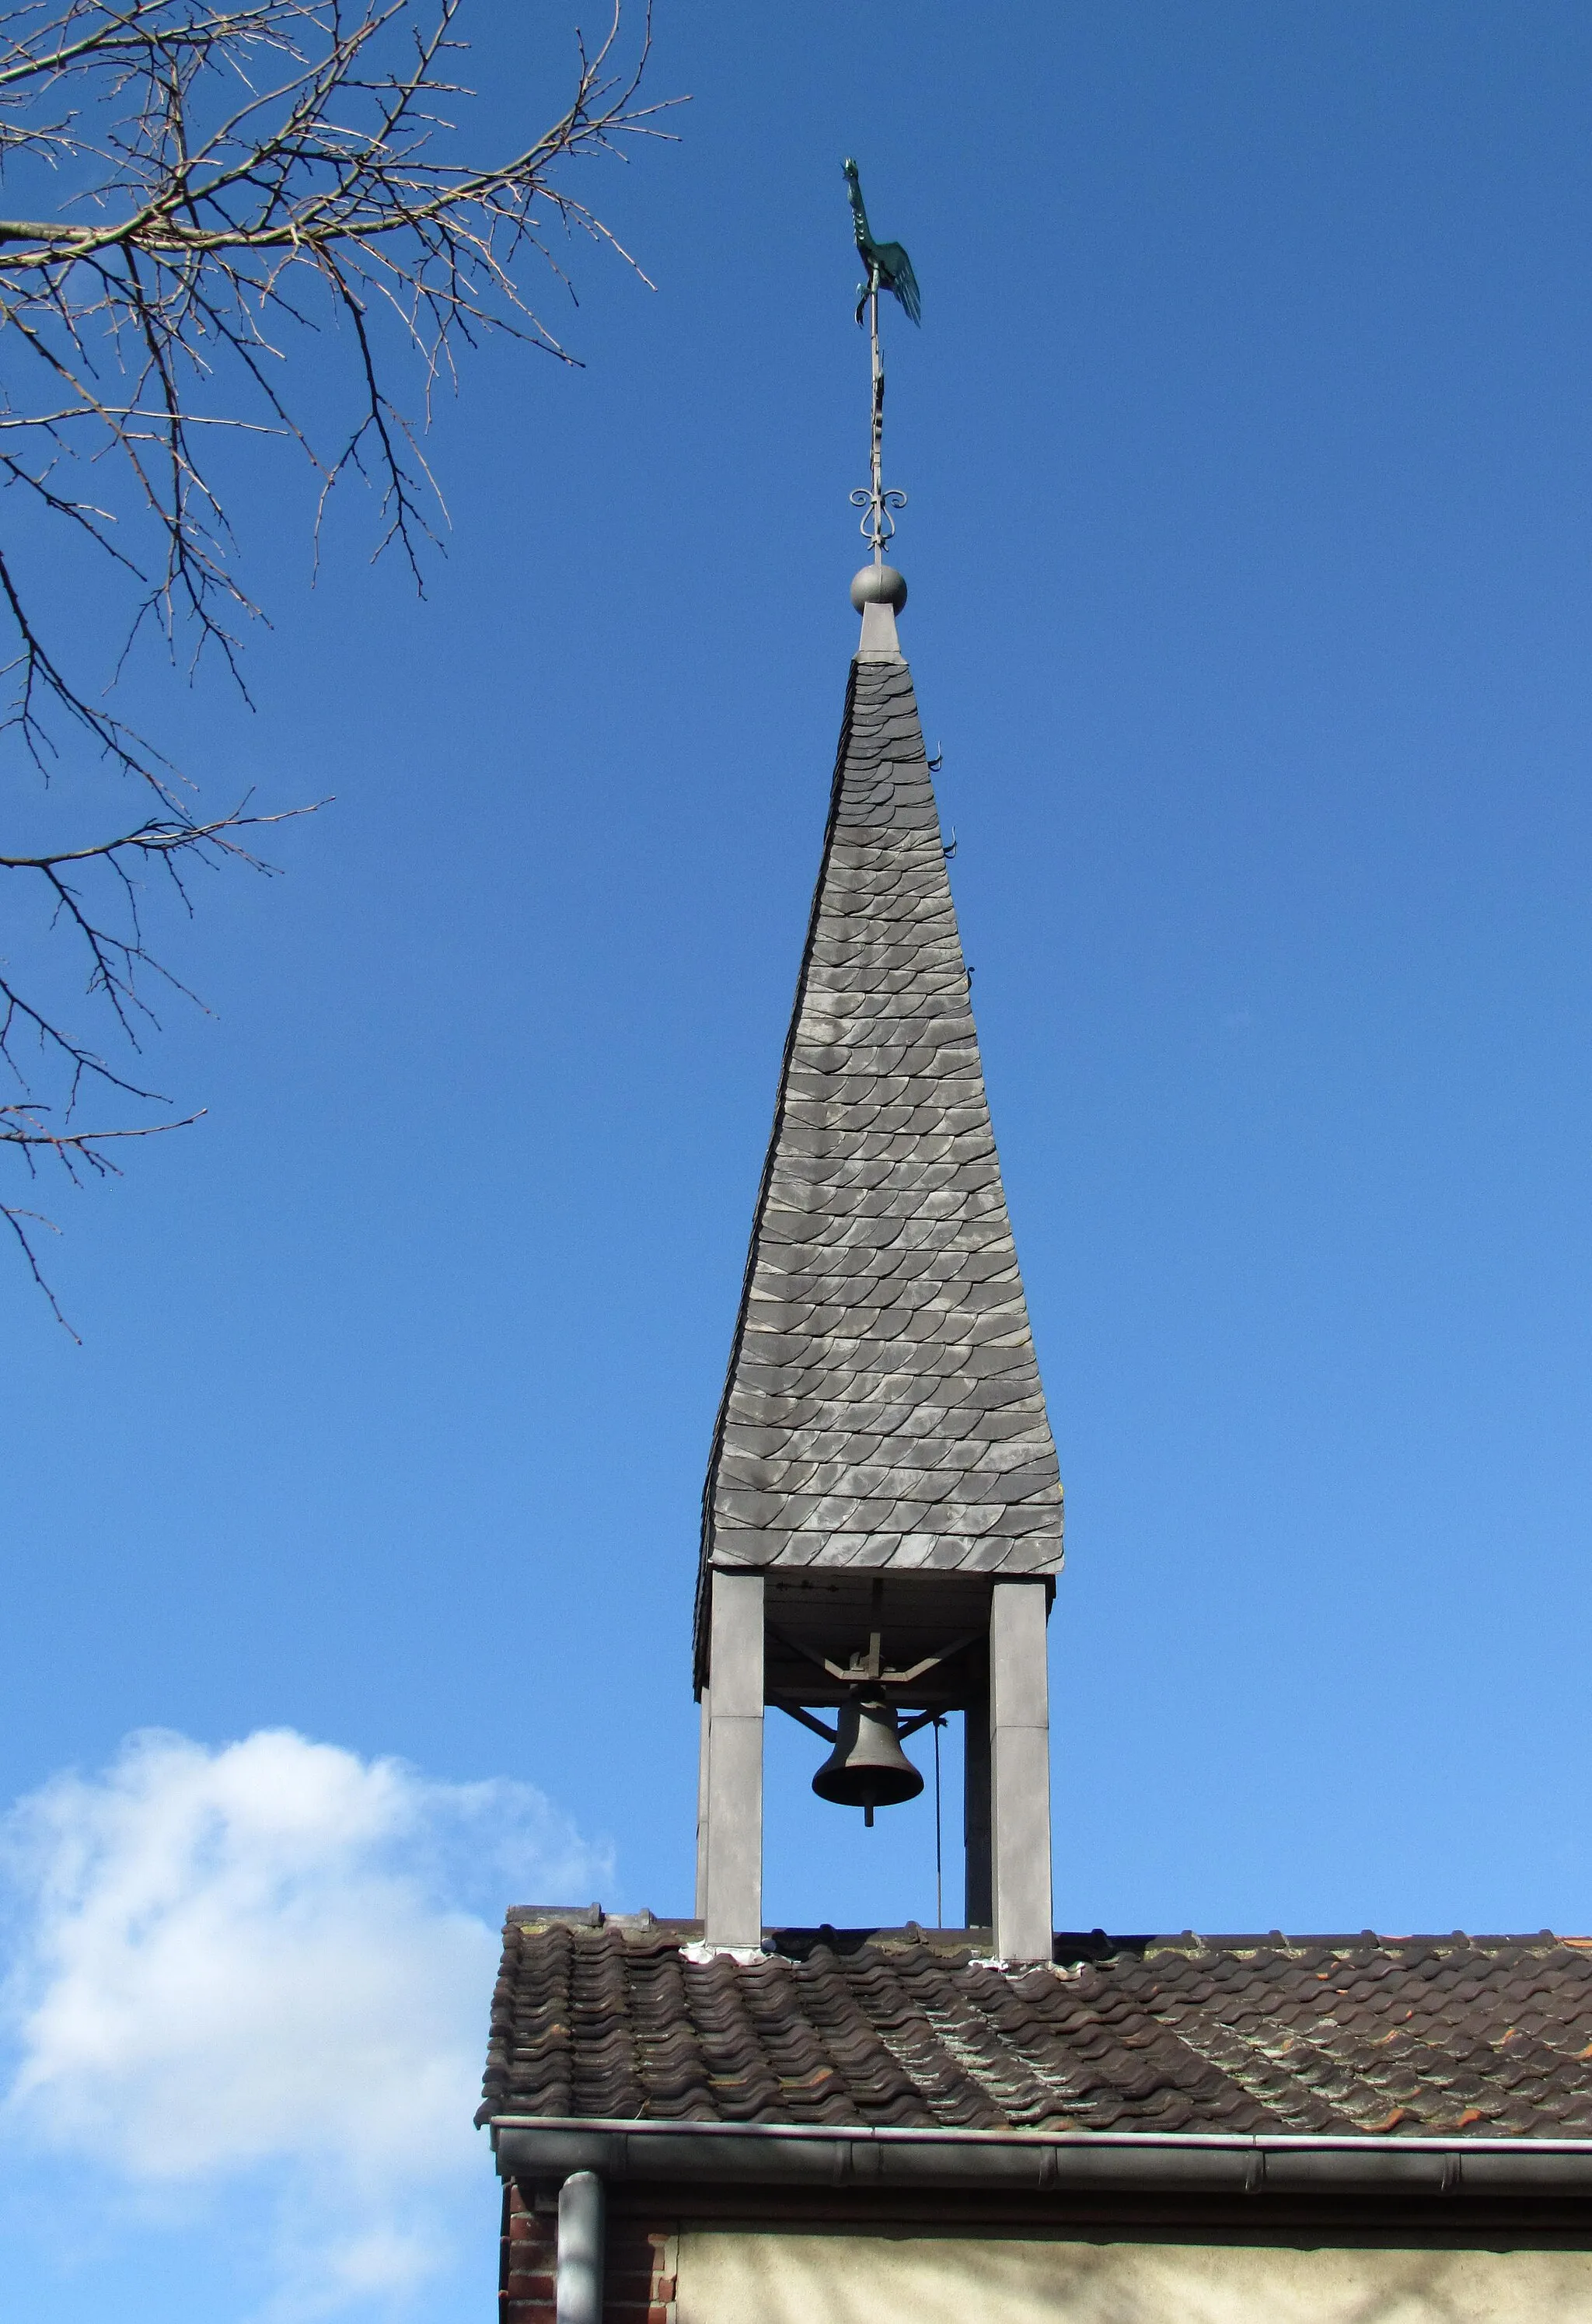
point(712, 2121)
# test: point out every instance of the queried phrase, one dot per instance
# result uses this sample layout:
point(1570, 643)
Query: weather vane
point(888, 269)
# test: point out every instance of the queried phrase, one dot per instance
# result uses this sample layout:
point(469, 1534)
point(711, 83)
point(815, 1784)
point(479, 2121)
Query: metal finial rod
point(877, 461)
point(879, 522)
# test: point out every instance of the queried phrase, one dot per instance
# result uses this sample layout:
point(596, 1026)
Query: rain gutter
point(818, 2156)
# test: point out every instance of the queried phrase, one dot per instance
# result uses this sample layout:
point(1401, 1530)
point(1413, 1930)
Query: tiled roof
point(1451, 2036)
point(883, 1406)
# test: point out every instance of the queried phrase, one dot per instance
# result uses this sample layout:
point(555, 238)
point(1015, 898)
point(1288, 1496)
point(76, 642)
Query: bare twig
point(80, 1153)
point(229, 185)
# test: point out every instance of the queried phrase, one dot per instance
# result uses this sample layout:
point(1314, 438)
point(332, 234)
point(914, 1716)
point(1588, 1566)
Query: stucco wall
point(737, 2278)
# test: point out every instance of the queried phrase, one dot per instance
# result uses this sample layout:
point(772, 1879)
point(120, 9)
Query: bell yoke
point(868, 1768)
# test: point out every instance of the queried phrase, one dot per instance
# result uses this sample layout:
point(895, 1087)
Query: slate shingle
point(882, 1280)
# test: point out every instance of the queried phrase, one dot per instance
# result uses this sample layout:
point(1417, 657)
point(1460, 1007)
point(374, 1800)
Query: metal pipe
point(579, 2291)
point(878, 425)
point(818, 2156)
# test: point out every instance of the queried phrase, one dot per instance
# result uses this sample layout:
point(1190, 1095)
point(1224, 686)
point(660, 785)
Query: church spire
point(883, 1407)
point(882, 1515)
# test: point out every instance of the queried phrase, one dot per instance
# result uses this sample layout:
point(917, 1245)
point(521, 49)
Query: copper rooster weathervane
point(888, 268)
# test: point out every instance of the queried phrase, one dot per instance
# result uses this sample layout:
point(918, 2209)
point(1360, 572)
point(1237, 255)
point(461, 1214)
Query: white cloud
point(260, 1959)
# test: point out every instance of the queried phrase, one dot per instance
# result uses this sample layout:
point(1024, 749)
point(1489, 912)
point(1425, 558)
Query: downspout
point(579, 2293)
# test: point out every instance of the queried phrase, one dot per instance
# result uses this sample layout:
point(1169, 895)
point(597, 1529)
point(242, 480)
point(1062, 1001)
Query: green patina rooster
point(889, 266)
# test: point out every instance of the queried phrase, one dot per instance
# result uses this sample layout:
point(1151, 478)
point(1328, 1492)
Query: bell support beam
point(1019, 1771)
point(732, 1732)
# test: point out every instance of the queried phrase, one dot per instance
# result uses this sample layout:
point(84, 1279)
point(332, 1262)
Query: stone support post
point(1019, 1771)
point(700, 1908)
point(732, 1911)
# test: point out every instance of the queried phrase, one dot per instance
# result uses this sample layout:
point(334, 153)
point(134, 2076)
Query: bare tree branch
point(228, 189)
point(80, 1153)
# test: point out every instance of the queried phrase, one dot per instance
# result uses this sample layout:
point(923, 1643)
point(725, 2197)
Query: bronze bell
point(868, 1768)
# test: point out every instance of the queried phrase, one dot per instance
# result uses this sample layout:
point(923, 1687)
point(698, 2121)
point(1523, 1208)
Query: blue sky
point(1248, 437)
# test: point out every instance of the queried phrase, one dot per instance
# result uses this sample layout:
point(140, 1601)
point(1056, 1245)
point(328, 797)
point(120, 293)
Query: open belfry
point(710, 2121)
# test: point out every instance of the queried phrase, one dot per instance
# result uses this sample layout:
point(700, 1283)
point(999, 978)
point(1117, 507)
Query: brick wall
point(638, 2266)
point(638, 2287)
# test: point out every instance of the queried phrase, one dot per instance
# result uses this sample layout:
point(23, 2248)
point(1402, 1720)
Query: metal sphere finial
point(878, 584)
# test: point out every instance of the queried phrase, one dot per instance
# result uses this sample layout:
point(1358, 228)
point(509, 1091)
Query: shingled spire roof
point(883, 1408)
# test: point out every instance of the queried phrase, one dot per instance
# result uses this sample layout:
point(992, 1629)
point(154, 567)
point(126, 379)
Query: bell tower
point(882, 1517)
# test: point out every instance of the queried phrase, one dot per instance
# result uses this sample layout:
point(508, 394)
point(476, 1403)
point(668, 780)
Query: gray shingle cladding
point(883, 1404)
